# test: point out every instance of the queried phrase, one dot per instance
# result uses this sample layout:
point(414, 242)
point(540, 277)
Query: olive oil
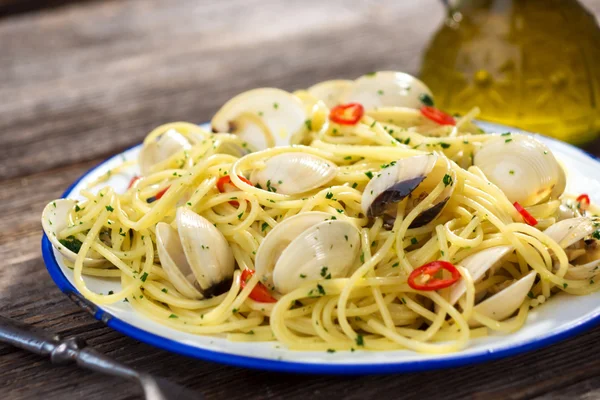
point(534, 64)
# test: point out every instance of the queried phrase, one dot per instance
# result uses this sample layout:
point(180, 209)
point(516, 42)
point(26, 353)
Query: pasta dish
point(353, 215)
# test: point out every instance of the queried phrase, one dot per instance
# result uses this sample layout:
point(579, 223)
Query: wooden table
point(80, 81)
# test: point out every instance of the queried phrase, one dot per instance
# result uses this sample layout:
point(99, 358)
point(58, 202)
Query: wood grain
point(82, 80)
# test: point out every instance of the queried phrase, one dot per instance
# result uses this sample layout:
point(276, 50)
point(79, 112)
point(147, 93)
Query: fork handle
point(68, 351)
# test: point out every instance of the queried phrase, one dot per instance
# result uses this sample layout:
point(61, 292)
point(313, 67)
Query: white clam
point(55, 220)
point(414, 176)
point(387, 89)
point(160, 149)
point(504, 303)
point(293, 173)
point(307, 247)
point(477, 264)
point(571, 230)
point(522, 167)
point(330, 91)
point(196, 257)
point(570, 233)
point(279, 111)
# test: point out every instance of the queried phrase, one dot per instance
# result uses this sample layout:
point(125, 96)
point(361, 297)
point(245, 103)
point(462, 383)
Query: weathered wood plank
point(119, 70)
point(82, 81)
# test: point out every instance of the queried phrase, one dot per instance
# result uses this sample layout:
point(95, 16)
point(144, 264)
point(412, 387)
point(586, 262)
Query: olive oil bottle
point(534, 64)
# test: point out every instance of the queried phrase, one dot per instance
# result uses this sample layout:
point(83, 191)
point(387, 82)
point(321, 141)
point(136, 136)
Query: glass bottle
point(533, 64)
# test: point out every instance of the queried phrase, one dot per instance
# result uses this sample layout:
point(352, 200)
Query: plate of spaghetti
point(351, 227)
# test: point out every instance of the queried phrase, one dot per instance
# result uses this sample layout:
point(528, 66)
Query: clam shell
point(282, 112)
point(408, 176)
point(504, 303)
point(54, 220)
point(279, 238)
point(206, 249)
point(522, 167)
point(160, 149)
point(477, 264)
point(386, 89)
point(324, 251)
point(330, 91)
point(173, 261)
point(293, 173)
point(571, 230)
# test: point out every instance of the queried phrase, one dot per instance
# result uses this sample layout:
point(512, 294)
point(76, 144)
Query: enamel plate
point(561, 317)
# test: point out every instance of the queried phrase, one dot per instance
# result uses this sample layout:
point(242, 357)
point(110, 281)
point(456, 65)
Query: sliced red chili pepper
point(528, 218)
point(157, 196)
point(260, 292)
point(224, 185)
point(584, 201)
point(437, 116)
point(423, 278)
point(133, 180)
point(347, 114)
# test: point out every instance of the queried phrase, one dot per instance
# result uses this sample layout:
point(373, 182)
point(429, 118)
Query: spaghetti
point(382, 189)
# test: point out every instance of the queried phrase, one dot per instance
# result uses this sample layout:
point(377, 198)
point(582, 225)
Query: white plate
point(561, 317)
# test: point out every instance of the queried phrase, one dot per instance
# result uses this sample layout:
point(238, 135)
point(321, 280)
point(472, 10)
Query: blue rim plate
point(560, 318)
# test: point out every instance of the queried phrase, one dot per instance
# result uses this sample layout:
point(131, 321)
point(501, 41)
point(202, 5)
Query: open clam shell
point(293, 173)
point(478, 264)
point(160, 149)
point(324, 251)
point(387, 89)
point(55, 220)
point(330, 91)
point(196, 257)
point(173, 261)
point(571, 230)
point(522, 167)
point(415, 177)
point(279, 238)
point(281, 112)
point(504, 303)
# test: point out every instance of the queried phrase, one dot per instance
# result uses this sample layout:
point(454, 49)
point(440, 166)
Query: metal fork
point(74, 350)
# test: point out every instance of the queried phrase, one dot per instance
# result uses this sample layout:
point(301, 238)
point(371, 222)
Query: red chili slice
point(437, 116)
point(260, 292)
point(584, 201)
point(423, 278)
point(133, 180)
point(528, 218)
point(224, 185)
point(347, 114)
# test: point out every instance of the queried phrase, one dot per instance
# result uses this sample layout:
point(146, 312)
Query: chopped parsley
point(447, 180)
point(565, 285)
point(321, 290)
point(330, 350)
point(369, 174)
point(380, 92)
point(173, 316)
point(302, 276)
point(111, 292)
point(144, 277)
point(329, 195)
point(348, 158)
point(360, 340)
point(109, 208)
point(165, 290)
point(596, 234)
point(413, 241)
point(324, 273)
point(512, 172)
point(426, 99)
point(508, 140)
point(71, 243)
point(444, 145)
point(505, 134)
point(308, 124)
point(354, 185)
point(77, 208)
point(276, 105)
point(371, 74)
point(264, 226)
point(362, 257)
point(394, 265)
point(240, 215)
point(373, 124)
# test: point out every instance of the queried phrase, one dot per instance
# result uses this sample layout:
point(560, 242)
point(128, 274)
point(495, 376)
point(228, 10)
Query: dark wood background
point(80, 81)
